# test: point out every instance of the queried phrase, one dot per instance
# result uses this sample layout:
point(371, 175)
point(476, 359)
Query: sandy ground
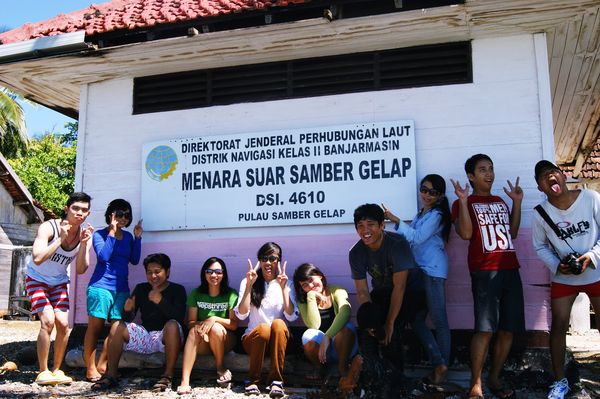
point(17, 343)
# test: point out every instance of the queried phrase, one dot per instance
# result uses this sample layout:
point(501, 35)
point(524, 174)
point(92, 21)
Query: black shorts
point(498, 300)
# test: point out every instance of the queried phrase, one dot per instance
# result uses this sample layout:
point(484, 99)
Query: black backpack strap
point(547, 219)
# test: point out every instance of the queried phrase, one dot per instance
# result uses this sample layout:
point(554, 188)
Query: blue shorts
point(315, 335)
point(105, 304)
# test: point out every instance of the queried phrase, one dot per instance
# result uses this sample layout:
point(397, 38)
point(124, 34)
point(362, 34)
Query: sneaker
point(45, 378)
point(559, 389)
point(61, 378)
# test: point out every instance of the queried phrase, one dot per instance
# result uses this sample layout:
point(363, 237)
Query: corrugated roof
point(135, 14)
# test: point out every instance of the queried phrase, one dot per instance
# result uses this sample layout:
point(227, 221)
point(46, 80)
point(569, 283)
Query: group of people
point(408, 270)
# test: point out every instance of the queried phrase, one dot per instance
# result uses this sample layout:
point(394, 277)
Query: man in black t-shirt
point(162, 307)
point(388, 259)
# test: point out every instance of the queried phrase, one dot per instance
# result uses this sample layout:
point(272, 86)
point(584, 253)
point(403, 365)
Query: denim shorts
point(498, 300)
point(312, 334)
point(105, 304)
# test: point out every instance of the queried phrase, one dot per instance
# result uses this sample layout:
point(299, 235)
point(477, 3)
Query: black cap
point(543, 165)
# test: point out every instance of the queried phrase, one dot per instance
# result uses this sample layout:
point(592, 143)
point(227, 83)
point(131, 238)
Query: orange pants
point(265, 339)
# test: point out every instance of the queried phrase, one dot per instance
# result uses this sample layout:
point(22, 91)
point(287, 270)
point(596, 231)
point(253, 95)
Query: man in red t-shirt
point(485, 220)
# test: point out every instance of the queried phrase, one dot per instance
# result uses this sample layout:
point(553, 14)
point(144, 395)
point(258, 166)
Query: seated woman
point(211, 322)
point(267, 297)
point(326, 312)
point(162, 307)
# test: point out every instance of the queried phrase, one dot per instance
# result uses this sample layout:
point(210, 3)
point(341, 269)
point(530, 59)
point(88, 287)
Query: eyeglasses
point(218, 272)
point(122, 214)
point(431, 191)
point(271, 258)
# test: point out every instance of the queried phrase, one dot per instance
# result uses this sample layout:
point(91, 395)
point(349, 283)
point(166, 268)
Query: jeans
point(438, 349)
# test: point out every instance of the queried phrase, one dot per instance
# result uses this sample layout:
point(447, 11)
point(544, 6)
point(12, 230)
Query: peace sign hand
point(282, 278)
point(461, 193)
point(251, 275)
point(515, 192)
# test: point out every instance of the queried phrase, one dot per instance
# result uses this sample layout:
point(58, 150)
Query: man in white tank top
point(58, 242)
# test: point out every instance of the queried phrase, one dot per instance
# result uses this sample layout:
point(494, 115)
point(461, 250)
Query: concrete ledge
point(236, 362)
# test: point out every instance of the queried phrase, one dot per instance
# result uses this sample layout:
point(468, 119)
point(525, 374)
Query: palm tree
point(13, 131)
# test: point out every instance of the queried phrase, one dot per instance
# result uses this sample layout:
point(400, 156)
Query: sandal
point(104, 383)
point(224, 378)
point(251, 388)
point(276, 390)
point(162, 384)
point(184, 390)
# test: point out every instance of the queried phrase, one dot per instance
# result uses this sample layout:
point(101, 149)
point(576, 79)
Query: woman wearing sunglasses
point(427, 234)
point(326, 312)
point(211, 322)
point(266, 298)
point(108, 288)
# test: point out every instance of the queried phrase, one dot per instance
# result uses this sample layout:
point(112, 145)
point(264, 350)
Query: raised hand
point(282, 278)
point(137, 230)
point(461, 193)
point(389, 215)
point(113, 227)
point(251, 274)
point(515, 192)
point(64, 229)
point(86, 234)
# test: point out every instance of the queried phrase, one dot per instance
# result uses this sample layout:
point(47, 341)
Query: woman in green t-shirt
point(211, 322)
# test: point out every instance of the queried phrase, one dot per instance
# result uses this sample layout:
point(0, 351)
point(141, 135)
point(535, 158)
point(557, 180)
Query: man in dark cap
point(566, 234)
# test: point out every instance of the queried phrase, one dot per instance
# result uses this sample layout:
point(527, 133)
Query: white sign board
point(288, 177)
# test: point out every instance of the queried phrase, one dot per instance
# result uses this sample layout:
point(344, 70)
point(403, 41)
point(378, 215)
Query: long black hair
point(224, 286)
point(304, 272)
point(438, 183)
point(258, 288)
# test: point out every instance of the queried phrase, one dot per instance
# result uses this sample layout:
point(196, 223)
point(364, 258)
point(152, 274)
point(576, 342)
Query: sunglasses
point(431, 191)
point(122, 214)
point(271, 258)
point(218, 272)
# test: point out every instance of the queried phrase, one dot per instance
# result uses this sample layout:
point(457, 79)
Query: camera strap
point(552, 225)
point(548, 220)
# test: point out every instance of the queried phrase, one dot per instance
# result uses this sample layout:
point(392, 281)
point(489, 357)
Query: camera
point(575, 266)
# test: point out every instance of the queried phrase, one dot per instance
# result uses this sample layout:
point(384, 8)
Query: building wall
point(498, 114)
point(14, 230)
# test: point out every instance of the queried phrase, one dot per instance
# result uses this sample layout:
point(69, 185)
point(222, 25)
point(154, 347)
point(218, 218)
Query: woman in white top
point(267, 297)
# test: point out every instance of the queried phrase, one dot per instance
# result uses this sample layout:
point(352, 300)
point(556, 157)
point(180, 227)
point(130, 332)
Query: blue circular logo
point(161, 162)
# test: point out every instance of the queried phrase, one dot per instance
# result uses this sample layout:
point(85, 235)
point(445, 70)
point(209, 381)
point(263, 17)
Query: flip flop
point(184, 390)
point(104, 383)
point(162, 384)
point(224, 379)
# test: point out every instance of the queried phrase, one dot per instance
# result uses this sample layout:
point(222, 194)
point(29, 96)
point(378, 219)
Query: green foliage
point(48, 169)
point(13, 132)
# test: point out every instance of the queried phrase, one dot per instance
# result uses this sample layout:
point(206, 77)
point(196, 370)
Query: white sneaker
point(559, 389)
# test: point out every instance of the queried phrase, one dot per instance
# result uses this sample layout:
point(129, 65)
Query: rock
point(9, 366)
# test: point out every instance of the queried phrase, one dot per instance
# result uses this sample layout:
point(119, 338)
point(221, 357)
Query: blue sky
point(41, 119)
